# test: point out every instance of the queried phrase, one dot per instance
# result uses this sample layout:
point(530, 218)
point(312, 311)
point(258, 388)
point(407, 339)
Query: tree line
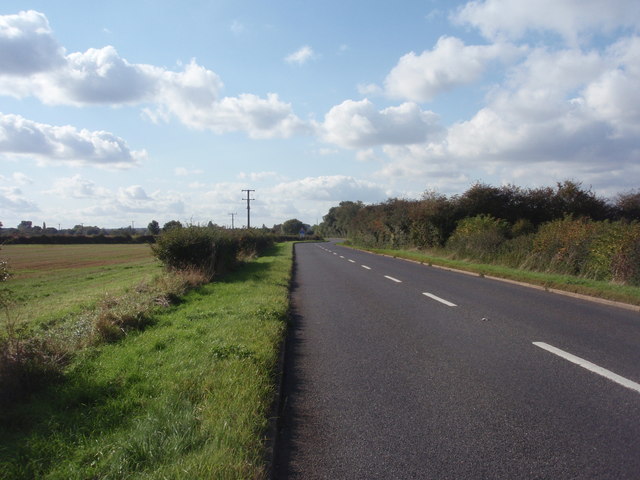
point(565, 228)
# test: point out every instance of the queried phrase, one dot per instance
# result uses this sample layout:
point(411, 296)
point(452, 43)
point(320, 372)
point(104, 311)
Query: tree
point(171, 224)
point(25, 225)
point(153, 227)
point(292, 226)
point(627, 205)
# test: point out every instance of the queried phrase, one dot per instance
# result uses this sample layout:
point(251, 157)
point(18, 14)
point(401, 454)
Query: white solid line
point(364, 266)
point(352, 261)
point(590, 366)
point(438, 299)
point(393, 279)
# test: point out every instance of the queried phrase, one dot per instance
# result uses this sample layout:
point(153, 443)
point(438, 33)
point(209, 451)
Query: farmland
point(51, 281)
point(185, 396)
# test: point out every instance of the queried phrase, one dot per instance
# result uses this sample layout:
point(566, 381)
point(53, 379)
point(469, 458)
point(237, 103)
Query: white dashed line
point(393, 279)
point(590, 366)
point(341, 256)
point(364, 266)
point(438, 299)
point(352, 261)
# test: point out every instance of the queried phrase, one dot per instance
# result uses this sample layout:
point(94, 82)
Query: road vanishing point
point(396, 370)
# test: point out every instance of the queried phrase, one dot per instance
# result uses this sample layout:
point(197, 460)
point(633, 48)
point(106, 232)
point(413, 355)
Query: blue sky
point(121, 112)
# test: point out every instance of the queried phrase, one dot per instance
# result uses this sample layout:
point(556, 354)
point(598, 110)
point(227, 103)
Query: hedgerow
point(209, 250)
point(565, 229)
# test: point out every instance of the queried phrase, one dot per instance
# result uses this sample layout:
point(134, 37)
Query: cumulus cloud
point(300, 56)
point(451, 63)
point(135, 200)
point(20, 178)
point(330, 188)
point(559, 114)
point(35, 65)
point(27, 45)
point(572, 19)
point(20, 137)
point(77, 187)
point(13, 200)
point(357, 124)
point(258, 117)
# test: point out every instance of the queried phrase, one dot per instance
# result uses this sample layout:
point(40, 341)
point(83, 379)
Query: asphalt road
point(396, 370)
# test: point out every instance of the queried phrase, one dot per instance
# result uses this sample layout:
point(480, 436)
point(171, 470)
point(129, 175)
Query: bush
point(209, 250)
point(480, 236)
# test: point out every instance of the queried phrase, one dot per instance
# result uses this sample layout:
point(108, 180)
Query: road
point(396, 370)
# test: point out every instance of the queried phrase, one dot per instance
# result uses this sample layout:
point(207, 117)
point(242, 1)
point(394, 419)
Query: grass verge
point(187, 398)
point(606, 290)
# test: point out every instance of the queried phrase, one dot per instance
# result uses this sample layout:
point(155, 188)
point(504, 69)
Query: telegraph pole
point(248, 199)
point(232, 215)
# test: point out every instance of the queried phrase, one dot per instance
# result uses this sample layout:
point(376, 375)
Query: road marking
point(590, 366)
point(393, 279)
point(352, 261)
point(341, 256)
point(364, 266)
point(438, 299)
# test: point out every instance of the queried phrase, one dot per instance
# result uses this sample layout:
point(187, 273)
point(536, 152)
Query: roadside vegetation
point(563, 236)
point(168, 376)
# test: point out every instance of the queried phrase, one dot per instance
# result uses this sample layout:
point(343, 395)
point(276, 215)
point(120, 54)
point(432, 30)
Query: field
point(51, 281)
point(188, 396)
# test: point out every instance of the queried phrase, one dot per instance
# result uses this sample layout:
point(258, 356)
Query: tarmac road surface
point(396, 370)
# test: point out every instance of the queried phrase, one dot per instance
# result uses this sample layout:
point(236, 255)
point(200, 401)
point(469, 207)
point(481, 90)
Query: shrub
point(615, 253)
point(191, 247)
point(480, 236)
point(562, 246)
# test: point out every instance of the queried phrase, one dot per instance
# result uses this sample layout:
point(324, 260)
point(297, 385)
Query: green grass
point(607, 290)
point(51, 281)
point(186, 398)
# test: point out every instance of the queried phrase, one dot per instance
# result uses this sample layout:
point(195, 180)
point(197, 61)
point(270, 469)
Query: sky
point(118, 113)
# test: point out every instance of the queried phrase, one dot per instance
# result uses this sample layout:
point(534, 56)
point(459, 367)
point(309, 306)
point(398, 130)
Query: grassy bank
point(188, 397)
point(607, 290)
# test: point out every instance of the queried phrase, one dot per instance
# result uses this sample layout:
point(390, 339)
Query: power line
point(248, 199)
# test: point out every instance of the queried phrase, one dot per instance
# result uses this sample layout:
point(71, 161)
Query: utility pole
point(232, 215)
point(248, 199)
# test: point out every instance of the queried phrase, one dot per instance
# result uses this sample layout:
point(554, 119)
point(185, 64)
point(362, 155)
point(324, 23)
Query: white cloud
point(450, 64)
point(20, 137)
point(134, 200)
point(368, 155)
point(102, 77)
point(300, 56)
point(12, 200)
point(572, 19)
point(20, 178)
point(258, 117)
point(329, 188)
point(559, 114)
point(357, 124)
point(77, 187)
point(27, 45)
point(369, 89)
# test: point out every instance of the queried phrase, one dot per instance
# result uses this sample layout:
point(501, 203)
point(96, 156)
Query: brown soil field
point(28, 260)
